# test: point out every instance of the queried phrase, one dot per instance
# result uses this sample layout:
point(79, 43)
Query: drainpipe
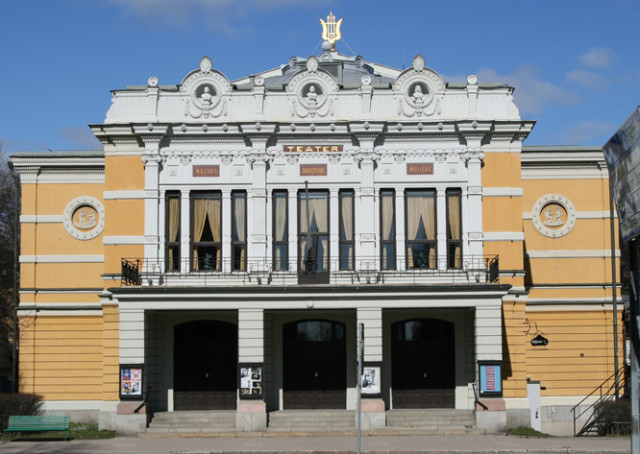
point(614, 286)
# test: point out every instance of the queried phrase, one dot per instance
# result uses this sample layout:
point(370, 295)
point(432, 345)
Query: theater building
point(222, 249)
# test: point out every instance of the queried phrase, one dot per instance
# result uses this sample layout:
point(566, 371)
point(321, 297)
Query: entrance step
point(432, 421)
point(192, 422)
point(312, 421)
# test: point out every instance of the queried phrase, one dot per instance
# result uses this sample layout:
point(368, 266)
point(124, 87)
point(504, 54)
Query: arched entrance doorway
point(423, 364)
point(205, 365)
point(314, 364)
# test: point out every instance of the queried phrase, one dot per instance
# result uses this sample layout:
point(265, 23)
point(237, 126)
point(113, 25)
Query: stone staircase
point(312, 421)
point(432, 422)
point(191, 423)
point(320, 422)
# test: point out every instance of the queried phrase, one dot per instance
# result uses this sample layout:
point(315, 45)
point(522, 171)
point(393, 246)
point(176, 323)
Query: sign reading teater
point(312, 148)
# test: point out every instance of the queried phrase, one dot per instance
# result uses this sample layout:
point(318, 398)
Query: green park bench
point(46, 423)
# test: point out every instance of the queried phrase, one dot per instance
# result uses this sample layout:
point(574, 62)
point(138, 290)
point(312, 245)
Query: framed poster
point(370, 380)
point(131, 376)
point(251, 375)
point(490, 378)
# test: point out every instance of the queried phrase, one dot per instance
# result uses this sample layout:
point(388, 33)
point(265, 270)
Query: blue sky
point(575, 64)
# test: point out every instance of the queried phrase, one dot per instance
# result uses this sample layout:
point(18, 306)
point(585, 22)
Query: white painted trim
point(97, 258)
point(41, 219)
point(123, 239)
point(123, 195)
point(570, 254)
point(69, 291)
point(503, 236)
point(528, 215)
point(62, 178)
point(516, 402)
point(502, 192)
point(57, 405)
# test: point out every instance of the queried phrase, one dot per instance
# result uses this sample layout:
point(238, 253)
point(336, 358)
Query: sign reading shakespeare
point(420, 169)
point(311, 170)
point(312, 148)
point(206, 171)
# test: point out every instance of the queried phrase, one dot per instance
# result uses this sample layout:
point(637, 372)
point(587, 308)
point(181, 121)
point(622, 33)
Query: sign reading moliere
point(206, 171)
point(312, 148)
point(420, 169)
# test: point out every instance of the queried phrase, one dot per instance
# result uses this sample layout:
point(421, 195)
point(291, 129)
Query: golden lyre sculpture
point(331, 30)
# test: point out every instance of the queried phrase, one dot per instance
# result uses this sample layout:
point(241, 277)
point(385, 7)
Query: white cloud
point(588, 79)
point(221, 15)
point(587, 132)
point(597, 57)
point(532, 94)
point(81, 137)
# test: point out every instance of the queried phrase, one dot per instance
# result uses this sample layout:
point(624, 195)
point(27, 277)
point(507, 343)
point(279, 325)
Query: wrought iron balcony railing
point(263, 271)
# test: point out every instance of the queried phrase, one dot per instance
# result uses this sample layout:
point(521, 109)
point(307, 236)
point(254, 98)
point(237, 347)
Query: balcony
point(256, 272)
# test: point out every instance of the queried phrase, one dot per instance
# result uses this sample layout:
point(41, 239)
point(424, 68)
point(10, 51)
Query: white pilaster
point(226, 231)
point(401, 237)
point(131, 336)
point(334, 230)
point(292, 226)
point(441, 229)
point(488, 332)
point(250, 336)
point(151, 207)
point(185, 231)
point(372, 320)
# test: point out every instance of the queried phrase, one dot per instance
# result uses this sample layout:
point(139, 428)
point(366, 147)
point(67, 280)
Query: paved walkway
point(474, 444)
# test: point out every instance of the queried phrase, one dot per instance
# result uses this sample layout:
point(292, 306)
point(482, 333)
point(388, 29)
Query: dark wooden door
point(423, 364)
point(315, 369)
point(205, 365)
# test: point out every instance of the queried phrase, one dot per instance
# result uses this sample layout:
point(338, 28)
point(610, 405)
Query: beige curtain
point(387, 217)
point(174, 226)
point(347, 218)
point(347, 224)
point(239, 211)
point(199, 219)
point(318, 207)
point(281, 218)
point(454, 224)
point(420, 207)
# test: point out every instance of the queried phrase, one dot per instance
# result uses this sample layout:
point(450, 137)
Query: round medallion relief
point(84, 218)
point(554, 215)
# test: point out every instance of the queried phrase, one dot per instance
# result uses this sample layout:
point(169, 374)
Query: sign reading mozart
point(206, 171)
point(420, 169)
point(312, 148)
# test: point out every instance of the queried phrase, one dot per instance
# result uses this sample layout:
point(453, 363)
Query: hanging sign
point(539, 340)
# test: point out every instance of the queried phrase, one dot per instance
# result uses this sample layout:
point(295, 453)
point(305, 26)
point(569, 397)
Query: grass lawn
point(79, 431)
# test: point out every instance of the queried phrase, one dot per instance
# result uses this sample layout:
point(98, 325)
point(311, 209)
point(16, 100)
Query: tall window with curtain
point(172, 229)
point(206, 231)
point(347, 246)
point(421, 228)
point(280, 231)
point(313, 232)
point(387, 229)
point(239, 230)
point(454, 229)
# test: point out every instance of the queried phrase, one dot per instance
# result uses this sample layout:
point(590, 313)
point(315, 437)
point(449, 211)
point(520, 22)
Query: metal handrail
point(477, 397)
point(607, 395)
point(364, 270)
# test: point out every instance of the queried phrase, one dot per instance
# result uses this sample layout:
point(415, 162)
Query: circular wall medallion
point(84, 218)
point(554, 215)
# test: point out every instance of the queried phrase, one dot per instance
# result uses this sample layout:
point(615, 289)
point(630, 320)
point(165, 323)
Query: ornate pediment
point(207, 91)
point(419, 90)
point(313, 89)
